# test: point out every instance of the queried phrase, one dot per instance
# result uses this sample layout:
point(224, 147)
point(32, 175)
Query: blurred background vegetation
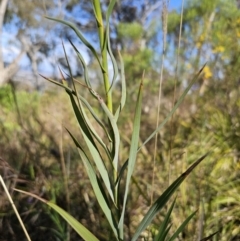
point(37, 155)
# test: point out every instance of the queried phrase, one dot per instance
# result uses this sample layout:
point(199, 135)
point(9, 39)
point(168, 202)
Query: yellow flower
point(207, 73)
point(218, 49)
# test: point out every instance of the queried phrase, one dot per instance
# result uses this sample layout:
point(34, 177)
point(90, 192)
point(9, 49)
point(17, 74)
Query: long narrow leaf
point(108, 43)
point(162, 200)
point(110, 9)
point(86, 131)
point(174, 108)
point(76, 225)
point(114, 128)
point(114, 62)
point(81, 37)
point(162, 230)
point(132, 153)
point(98, 121)
point(92, 147)
point(124, 89)
point(57, 83)
point(84, 65)
point(98, 194)
point(165, 233)
point(71, 76)
point(88, 137)
point(182, 226)
point(163, 123)
point(81, 119)
point(92, 130)
point(209, 237)
point(95, 185)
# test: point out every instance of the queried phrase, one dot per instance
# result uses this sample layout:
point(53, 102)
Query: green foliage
point(11, 101)
point(207, 120)
point(6, 98)
point(136, 63)
point(104, 168)
point(132, 31)
point(173, 21)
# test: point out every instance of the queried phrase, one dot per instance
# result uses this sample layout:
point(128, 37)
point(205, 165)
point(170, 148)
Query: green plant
point(101, 157)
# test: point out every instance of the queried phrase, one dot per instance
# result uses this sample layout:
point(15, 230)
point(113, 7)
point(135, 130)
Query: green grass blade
point(99, 182)
point(124, 89)
point(69, 91)
point(164, 234)
point(80, 118)
point(68, 65)
point(182, 226)
point(108, 43)
point(88, 137)
point(114, 62)
point(81, 37)
point(119, 177)
point(96, 188)
point(77, 226)
point(92, 146)
point(98, 121)
point(114, 129)
point(162, 200)
point(132, 153)
point(209, 237)
point(84, 65)
point(98, 193)
point(174, 108)
point(101, 167)
point(71, 76)
point(57, 83)
point(110, 9)
point(163, 227)
point(165, 120)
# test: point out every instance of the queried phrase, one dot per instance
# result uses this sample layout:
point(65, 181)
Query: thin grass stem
point(65, 180)
point(174, 92)
point(14, 208)
point(164, 26)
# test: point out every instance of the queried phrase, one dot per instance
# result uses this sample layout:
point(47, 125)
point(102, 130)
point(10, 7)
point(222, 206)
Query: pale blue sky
point(175, 4)
point(9, 51)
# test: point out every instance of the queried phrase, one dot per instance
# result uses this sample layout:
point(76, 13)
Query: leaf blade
point(81, 37)
point(132, 153)
point(182, 226)
point(162, 200)
point(76, 225)
point(163, 227)
point(174, 108)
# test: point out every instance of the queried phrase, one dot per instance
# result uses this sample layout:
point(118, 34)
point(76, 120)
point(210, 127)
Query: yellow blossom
point(207, 73)
point(218, 49)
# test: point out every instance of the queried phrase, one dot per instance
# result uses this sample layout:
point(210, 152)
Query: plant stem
point(15, 209)
point(103, 46)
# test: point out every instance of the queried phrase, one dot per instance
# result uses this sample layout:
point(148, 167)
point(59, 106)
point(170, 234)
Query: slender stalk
point(65, 180)
point(103, 46)
point(15, 209)
point(164, 26)
point(174, 92)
